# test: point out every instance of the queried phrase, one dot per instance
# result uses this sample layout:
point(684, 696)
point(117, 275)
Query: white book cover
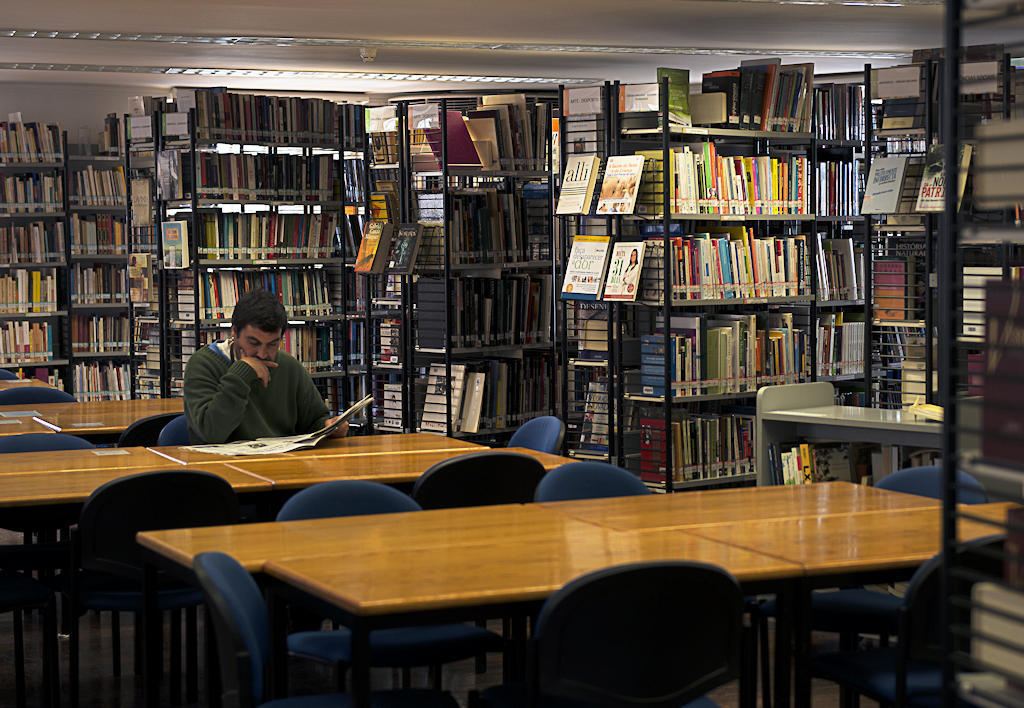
point(624, 267)
point(885, 183)
point(621, 184)
point(584, 272)
point(578, 184)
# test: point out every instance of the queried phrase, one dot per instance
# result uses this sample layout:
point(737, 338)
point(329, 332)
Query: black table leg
point(152, 659)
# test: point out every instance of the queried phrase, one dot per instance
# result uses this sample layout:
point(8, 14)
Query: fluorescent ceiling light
point(276, 74)
point(250, 40)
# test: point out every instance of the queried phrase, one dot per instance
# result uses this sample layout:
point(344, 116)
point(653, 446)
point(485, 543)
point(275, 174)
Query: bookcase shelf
point(698, 131)
point(265, 262)
point(32, 315)
point(30, 166)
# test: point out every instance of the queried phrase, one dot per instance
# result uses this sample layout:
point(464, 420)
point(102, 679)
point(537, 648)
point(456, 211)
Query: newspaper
point(271, 446)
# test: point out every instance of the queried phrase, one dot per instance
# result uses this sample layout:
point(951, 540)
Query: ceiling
point(429, 38)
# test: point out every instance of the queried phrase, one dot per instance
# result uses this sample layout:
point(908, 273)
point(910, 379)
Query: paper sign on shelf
point(424, 116)
point(582, 101)
point(898, 82)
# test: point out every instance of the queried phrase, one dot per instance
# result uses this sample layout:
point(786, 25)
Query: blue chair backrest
point(240, 619)
point(588, 480)
point(6, 375)
point(175, 432)
point(20, 395)
point(145, 432)
point(345, 498)
point(927, 482)
point(543, 434)
point(655, 634)
point(42, 442)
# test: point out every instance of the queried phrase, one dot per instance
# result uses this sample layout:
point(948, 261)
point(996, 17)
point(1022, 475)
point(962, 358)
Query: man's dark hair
point(260, 309)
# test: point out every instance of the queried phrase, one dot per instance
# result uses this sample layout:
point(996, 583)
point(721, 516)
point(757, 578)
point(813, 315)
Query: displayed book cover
point(621, 184)
point(728, 83)
point(932, 195)
point(405, 243)
point(892, 288)
point(142, 203)
point(1002, 406)
point(461, 151)
point(624, 267)
point(374, 247)
point(999, 179)
point(578, 184)
point(174, 235)
point(584, 271)
point(678, 94)
point(885, 184)
point(140, 278)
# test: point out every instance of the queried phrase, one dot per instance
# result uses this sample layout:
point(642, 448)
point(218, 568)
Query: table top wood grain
point(99, 417)
point(729, 506)
point(20, 426)
point(18, 383)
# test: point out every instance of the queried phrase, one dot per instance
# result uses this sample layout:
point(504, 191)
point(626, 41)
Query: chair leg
point(339, 677)
point(51, 656)
point(174, 677)
point(406, 677)
point(436, 676)
point(137, 644)
point(848, 698)
point(480, 665)
point(115, 642)
point(191, 655)
point(73, 655)
point(19, 659)
point(766, 660)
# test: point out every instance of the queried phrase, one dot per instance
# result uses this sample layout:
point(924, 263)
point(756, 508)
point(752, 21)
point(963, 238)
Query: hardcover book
point(623, 279)
point(578, 184)
point(932, 195)
point(174, 235)
point(885, 184)
point(892, 289)
point(405, 242)
point(584, 272)
point(678, 94)
point(621, 184)
point(374, 247)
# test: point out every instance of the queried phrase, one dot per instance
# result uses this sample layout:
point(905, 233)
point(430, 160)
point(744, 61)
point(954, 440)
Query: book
point(621, 184)
point(405, 243)
point(678, 94)
point(374, 247)
point(624, 268)
point(932, 194)
point(891, 288)
point(585, 269)
point(140, 279)
point(728, 83)
point(885, 184)
point(578, 184)
point(174, 236)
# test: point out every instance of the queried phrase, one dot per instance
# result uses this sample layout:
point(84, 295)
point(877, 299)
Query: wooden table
point(90, 418)
point(732, 506)
point(19, 426)
point(18, 383)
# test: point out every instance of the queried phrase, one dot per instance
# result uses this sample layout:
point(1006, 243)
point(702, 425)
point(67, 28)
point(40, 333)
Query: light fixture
point(250, 40)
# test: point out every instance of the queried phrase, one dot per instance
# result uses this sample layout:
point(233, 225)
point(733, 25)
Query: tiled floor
point(100, 689)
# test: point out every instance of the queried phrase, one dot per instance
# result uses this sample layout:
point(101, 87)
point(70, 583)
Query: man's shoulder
point(206, 356)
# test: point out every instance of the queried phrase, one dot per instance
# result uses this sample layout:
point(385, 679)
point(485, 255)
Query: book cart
point(983, 609)
point(477, 331)
point(254, 180)
point(35, 252)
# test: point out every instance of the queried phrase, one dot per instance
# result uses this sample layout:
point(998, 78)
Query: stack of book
point(99, 284)
point(702, 447)
point(36, 242)
point(266, 235)
point(24, 342)
point(435, 414)
point(28, 291)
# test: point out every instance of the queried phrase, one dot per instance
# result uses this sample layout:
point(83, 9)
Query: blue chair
point(7, 375)
point(479, 479)
point(910, 673)
point(145, 432)
point(21, 395)
point(241, 626)
point(927, 482)
point(19, 592)
point(400, 647)
point(588, 480)
point(106, 561)
point(175, 432)
point(657, 635)
point(42, 442)
point(543, 434)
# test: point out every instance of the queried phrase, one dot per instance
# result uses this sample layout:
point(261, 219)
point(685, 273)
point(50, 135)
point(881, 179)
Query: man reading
point(245, 388)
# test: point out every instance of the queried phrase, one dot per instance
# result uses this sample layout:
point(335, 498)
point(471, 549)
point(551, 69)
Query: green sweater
point(226, 401)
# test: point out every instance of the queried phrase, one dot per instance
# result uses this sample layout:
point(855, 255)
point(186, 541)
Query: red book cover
point(890, 291)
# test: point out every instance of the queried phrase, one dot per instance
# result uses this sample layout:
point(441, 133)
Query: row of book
point(839, 112)
point(512, 310)
point(388, 409)
point(304, 292)
point(806, 463)
point(764, 94)
point(267, 235)
point(28, 291)
point(269, 120)
point(30, 142)
point(92, 187)
point(729, 264)
point(24, 342)
point(838, 188)
point(101, 381)
point(50, 376)
point(247, 176)
point(31, 193)
point(387, 349)
point(840, 266)
point(727, 353)
point(99, 333)
point(99, 283)
point(36, 242)
point(146, 338)
point(699, 447)
point(313, 346)
point(840, 344)
point(595, 430)
point(98, 234)
point(484, 227)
